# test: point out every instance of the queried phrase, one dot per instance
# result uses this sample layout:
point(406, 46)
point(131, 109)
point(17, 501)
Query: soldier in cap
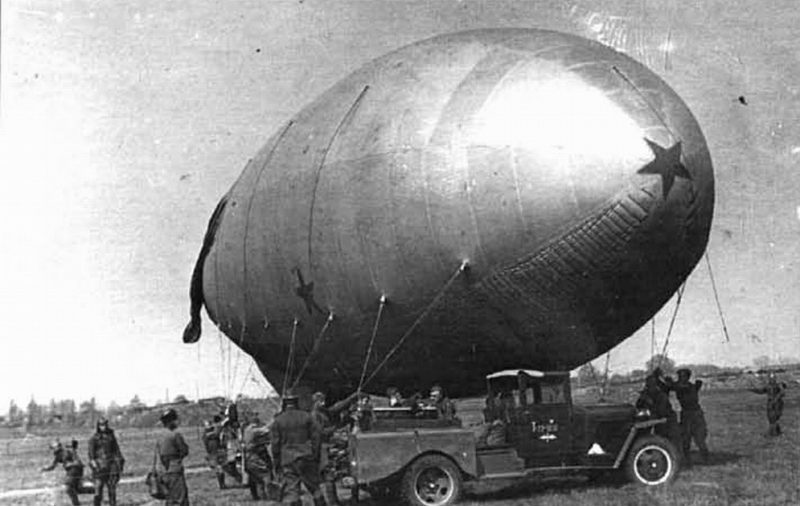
point(655, 399)
point(445, 408)
point(215, 449)
point(73, 467)
point(257, 462)
point(173, 449)
point(395, 397)
point(106, 462)
point(775, 393)
point(231, 443)
point(295, 445)
point(693, 421)
point(328, 419)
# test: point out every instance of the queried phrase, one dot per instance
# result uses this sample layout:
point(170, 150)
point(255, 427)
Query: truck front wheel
point(432, 480)
point(652, 460)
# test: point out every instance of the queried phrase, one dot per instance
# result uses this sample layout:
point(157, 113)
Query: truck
point(537, 431)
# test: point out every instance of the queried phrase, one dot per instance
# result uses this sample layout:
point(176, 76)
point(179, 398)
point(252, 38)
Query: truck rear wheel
point(432, 480)
point(652, 460)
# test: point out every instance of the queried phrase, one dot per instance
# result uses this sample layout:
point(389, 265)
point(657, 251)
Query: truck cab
point(536, 431)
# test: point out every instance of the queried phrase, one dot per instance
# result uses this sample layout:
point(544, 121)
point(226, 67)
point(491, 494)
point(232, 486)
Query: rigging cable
point(289, 358)
point(671, 323)
point(460, 270)
point(314, 349)
point(371, 343)
point(238, 356)
point(652, 340)
point(605, 376)
point(716, 298)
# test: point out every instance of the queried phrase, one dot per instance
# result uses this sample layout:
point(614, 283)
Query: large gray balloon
point(519, 197)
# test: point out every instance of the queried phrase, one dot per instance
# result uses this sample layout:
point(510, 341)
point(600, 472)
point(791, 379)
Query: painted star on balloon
point(667, 164)
point(306, 292)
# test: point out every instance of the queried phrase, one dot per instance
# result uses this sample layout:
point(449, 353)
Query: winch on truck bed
point(411, 453)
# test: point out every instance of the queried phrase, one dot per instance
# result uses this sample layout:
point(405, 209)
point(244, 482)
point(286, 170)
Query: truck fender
point(635, 429)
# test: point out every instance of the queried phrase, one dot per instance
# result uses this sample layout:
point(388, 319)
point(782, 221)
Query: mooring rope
point(652, 339)
point(289, 358)
point(371, 343)
point(393, 350)
point(671, 323)
point(314, 349)
point(716, 298)
point(238, 356)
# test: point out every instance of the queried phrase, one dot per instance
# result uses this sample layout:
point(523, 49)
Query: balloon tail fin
point(191, 333)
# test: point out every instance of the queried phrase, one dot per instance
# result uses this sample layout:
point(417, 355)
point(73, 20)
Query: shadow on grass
point(715, 459)
point(529, 487)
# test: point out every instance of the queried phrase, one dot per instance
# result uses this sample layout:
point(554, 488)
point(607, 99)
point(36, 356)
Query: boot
point(221, 481)
point(253, 490)
point(329, 496)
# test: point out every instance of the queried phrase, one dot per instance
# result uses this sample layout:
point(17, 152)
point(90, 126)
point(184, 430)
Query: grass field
point(747, 468)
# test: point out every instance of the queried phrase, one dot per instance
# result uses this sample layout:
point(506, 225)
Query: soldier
point(106, 462)
point(361, 415)
point(295, 445)
point(173, 449)
point(395, 398)
point(328, 420)
point(257, 462)
point(445, 408)
point(231, 444)
point(73, 467)
point(215, 449)
point(775, 393)
point(655, 399)
point(693, 421)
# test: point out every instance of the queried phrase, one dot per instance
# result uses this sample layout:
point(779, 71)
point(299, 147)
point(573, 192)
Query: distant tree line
point(65, 412)
point(135, 413)
point(589, 375)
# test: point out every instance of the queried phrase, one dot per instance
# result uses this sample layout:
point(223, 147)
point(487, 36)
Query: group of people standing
point(692, 425)
point(300, 448)
point(277, 460)
point(105, 461)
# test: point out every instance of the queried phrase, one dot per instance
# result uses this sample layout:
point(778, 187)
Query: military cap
point(168, 416)
point(684, 371)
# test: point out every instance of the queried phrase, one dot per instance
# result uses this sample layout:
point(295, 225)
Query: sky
point(123, 123)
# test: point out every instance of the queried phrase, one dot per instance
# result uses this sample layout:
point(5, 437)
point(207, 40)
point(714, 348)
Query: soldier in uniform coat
point(106, 462)
point(656, 400)
point(328, 420)
point(73, 467)
point(295, 445)
point(257, 462)
point(215, 449)
point(775, 392)
point(693, 421)
point(173, 449)
point(445, 408)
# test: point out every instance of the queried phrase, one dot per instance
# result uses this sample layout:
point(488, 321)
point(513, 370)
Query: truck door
point(547, 411)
